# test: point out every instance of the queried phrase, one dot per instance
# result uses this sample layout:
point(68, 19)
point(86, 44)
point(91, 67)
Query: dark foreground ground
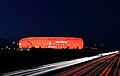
point(11, 60)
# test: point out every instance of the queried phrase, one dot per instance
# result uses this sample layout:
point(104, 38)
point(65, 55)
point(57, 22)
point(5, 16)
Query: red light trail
point(105, 66)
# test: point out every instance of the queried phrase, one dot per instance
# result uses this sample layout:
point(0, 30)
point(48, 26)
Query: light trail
point(98, 67)
point(80, 73)
point(116, 69)
point(107, 68)
point(51, 67)
point(68, 72)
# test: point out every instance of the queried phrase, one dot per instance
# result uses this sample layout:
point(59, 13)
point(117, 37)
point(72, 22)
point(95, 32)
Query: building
point(52, 42)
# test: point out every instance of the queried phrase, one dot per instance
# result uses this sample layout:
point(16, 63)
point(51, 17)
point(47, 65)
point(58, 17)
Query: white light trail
point(54, 66)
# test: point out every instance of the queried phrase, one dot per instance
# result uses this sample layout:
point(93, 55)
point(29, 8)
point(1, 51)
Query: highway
point(49, 67)
point(104, 66)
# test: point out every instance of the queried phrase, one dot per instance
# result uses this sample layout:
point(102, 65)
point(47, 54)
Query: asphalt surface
point(49, 67)
point(104, 66)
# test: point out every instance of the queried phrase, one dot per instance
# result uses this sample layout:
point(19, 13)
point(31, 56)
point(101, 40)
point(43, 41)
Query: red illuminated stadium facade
point(51, 42)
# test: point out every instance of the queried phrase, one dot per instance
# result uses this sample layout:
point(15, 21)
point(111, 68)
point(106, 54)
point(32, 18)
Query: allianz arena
point(52, 42)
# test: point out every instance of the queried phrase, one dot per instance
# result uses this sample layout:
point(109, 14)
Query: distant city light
point(6, 46)
point(2, 48)
point(102, 44)
point(13, 42)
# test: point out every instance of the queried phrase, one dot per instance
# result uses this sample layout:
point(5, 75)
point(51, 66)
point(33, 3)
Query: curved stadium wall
point(51, 42)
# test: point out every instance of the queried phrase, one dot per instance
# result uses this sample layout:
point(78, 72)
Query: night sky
point(96, 21)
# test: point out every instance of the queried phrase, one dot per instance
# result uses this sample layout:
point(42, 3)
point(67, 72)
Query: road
point(49, 67)
point(96, 65)
point(104, 66)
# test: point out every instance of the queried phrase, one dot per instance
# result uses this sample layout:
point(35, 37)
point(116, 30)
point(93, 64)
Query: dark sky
point(96, 21)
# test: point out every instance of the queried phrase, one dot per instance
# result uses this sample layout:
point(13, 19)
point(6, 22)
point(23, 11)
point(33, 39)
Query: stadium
point(52, 42)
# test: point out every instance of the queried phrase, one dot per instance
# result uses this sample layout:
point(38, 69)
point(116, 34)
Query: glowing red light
point(51, 42)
